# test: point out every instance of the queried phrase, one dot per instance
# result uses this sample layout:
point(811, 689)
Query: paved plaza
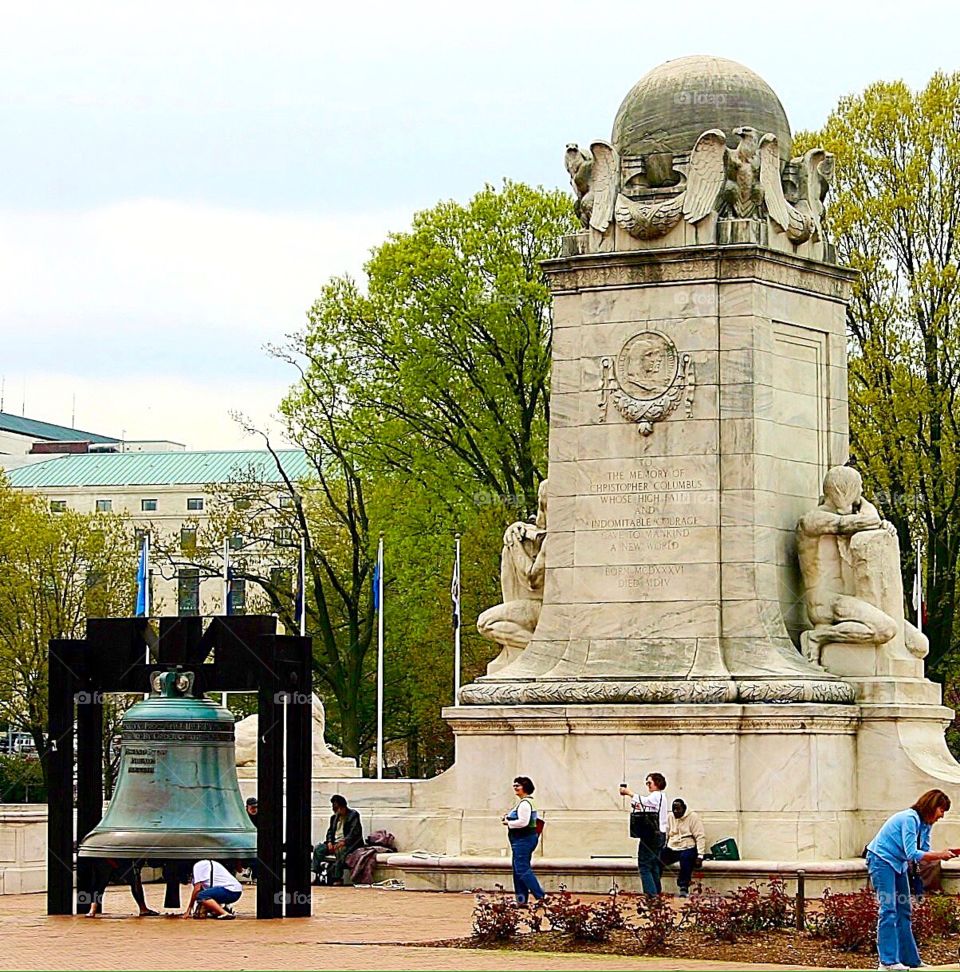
point(352, 928)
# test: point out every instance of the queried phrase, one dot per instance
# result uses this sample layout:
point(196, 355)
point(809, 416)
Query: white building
point(21, 436)
point(165, 493)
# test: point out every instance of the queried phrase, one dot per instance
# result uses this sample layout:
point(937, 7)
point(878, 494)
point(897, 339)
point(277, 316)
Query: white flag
point(916, 589)
point(455, 590)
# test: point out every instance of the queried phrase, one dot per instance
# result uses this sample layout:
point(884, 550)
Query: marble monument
point(696, 606)
point(522, 562)
point(325, 762)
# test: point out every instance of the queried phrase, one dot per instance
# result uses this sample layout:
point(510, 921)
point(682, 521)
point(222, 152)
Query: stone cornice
point(670, 720)
point(740, 263)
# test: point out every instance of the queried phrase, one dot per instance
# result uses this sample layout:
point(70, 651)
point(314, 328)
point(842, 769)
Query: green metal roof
point(157, 468)
point(47, 430)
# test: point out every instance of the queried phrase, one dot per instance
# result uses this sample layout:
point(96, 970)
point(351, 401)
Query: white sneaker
point(896, 967)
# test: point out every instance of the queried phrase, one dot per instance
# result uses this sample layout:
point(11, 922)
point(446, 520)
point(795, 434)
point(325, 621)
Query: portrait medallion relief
point(647, 380)
point(647, 365)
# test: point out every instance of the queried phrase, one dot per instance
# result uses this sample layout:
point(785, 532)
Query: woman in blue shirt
point(903, 840)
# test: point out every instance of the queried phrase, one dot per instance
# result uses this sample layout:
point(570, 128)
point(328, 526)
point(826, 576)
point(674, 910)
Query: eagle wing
point(605, 183)
point(777, 205)
point(813, 182)
point(705, 175)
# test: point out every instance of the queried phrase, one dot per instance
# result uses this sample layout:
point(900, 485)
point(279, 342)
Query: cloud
point(182, 264)
point(196, 414)
point(163, 306)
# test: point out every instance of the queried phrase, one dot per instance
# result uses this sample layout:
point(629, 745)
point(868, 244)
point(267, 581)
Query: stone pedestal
point(670, 559)
point(790, 782)
point(23, 848)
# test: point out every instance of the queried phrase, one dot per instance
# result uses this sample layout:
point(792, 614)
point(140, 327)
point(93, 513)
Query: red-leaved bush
point(848, 920)
point(496, 917)
point(745, 909)
point(658, 921)
point(583, 921)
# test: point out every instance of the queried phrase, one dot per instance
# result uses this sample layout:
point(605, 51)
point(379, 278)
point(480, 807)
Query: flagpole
point(303, 586)
point(146, 575)
point(380, 659)
point(456, 631)
point(919, 589)
point(226, 576)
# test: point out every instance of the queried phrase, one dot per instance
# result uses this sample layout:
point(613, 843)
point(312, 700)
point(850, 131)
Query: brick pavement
point(352, 928)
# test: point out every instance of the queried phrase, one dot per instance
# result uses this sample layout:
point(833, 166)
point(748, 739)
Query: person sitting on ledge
point(686, 843)
point(344, 835)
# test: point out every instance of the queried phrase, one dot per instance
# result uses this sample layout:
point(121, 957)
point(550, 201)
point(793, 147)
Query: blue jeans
point(895, 942)
point(220, 894)
point(688, 861)
point(524, 880)
point(648, 864)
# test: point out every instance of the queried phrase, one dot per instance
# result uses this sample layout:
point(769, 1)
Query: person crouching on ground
point(521, 824)
point(686, 843)
point(215, 889)
point(902, 840)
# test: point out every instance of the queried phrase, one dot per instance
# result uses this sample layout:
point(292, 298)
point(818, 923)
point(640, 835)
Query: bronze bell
point(177, 794)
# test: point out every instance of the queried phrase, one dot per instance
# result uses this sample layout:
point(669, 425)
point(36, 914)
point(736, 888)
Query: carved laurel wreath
point(650, 392)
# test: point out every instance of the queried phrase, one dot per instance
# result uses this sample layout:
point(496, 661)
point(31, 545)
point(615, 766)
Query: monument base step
point(596, 875)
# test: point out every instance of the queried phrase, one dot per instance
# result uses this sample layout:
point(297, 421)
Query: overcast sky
point(178, 180)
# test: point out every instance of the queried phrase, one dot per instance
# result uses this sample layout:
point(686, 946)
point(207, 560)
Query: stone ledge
point(597, 874)
point(845, 866)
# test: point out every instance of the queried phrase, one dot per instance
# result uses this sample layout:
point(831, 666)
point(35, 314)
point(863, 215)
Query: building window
point(104, 506)
point(282, 535)
point(238, 596)
point(235, 542)
point(242, 503)
point(58, 506)
point(188, 592)
point(148, 506)
point(281, 579)
point(195, 503)
point(188, 540)
point(286, 501)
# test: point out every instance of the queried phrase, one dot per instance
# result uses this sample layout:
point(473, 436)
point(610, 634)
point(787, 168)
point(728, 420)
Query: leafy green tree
point(444, 359)
point(895, 215)
point(56, 570)
point(422, 404)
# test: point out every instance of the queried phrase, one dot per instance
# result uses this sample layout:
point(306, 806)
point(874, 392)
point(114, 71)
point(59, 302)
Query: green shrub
point(21, 779)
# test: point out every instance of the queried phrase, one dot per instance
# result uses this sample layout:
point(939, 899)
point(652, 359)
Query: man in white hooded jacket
point(686, 843)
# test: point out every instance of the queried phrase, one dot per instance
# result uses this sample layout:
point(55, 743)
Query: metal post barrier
point(801, 901)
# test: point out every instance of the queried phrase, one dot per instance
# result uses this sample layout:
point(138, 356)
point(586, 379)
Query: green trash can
point(725, 850)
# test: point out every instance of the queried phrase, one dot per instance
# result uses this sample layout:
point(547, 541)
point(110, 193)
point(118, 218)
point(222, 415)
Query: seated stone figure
point(850, 560)
point(522, 564)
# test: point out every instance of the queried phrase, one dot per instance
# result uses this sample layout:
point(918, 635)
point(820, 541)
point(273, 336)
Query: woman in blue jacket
point(903, 840)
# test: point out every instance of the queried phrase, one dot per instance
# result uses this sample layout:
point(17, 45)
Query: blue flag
point(376, 586)
point(143, 578)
